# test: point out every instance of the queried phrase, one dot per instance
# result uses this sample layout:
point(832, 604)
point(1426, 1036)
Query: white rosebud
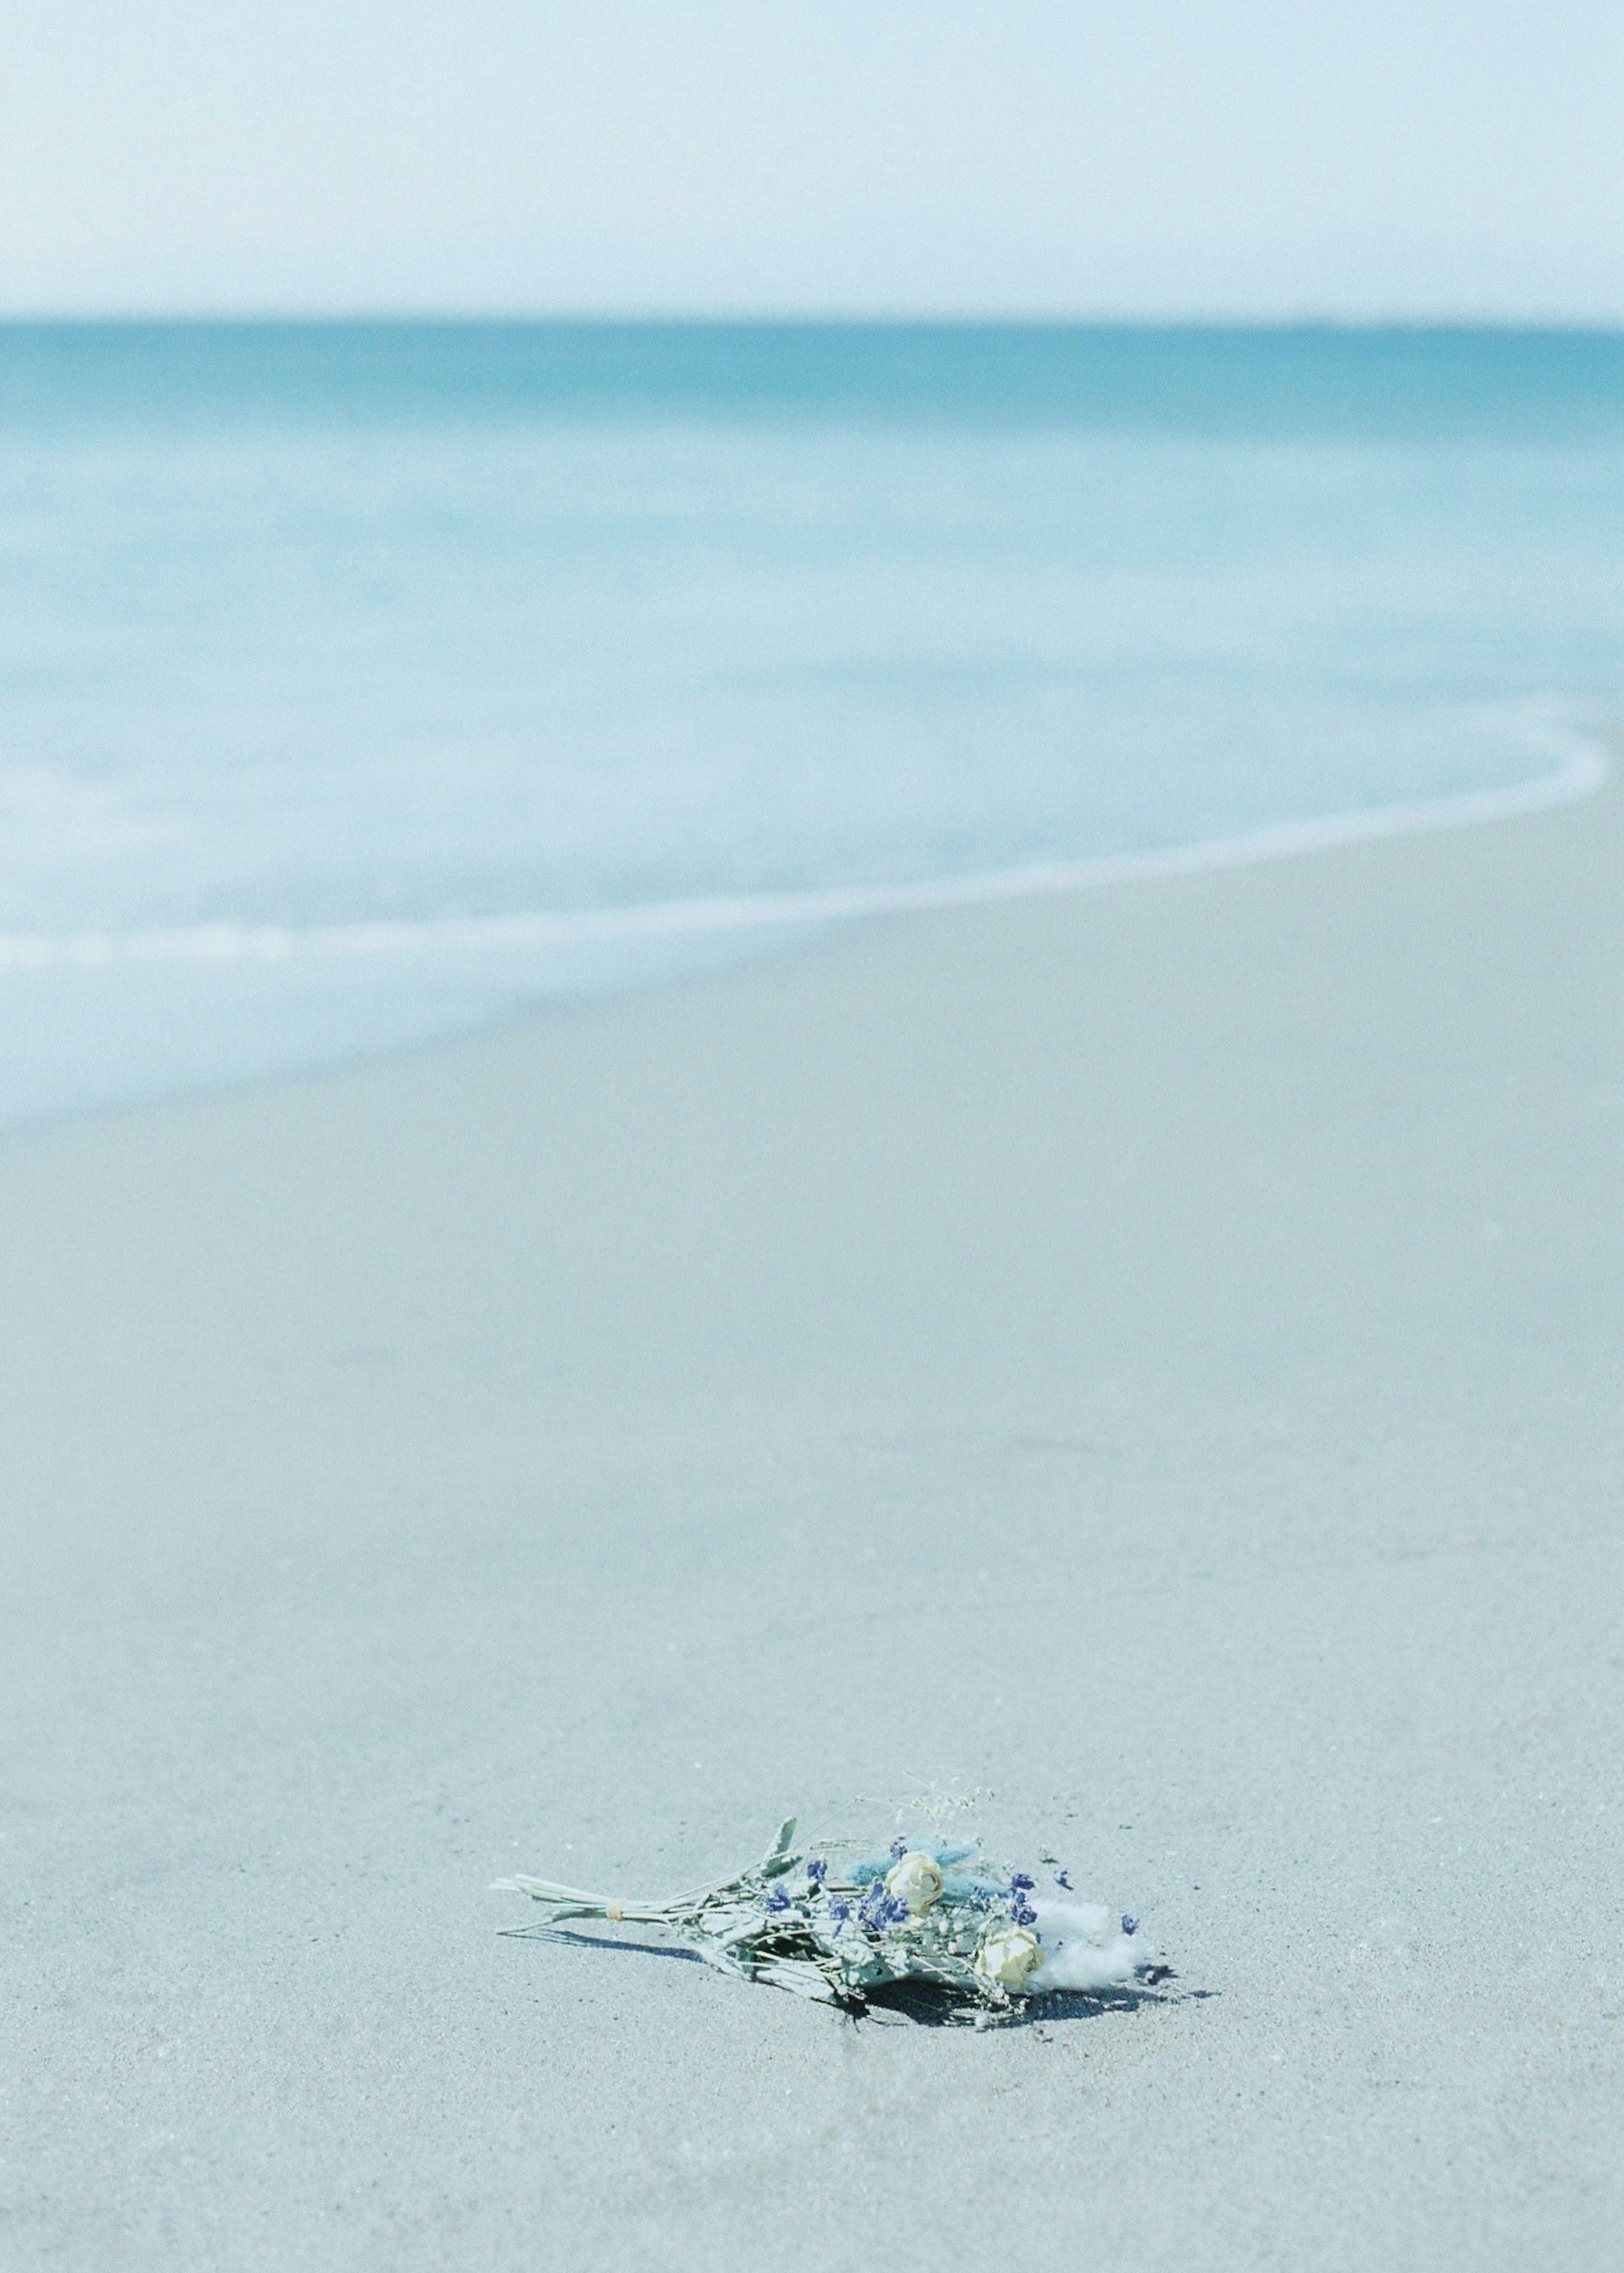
point(1007, 1956)
point(916, 1881)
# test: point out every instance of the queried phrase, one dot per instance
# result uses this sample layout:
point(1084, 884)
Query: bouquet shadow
point(925, 2005)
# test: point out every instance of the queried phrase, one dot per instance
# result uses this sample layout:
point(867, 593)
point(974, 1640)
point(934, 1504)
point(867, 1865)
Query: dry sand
point(1155, 1353)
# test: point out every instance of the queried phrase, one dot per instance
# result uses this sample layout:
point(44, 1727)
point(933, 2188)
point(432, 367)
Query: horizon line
point(829, 319)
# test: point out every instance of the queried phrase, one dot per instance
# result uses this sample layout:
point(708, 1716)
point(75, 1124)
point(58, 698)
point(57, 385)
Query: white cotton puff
point(1084, 1947)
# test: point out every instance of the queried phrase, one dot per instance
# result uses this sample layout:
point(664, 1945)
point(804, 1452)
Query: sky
point(1198, 158)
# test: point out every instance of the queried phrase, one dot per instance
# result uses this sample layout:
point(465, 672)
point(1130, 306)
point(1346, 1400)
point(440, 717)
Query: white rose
point(1007, 1956)
point(916, 1881)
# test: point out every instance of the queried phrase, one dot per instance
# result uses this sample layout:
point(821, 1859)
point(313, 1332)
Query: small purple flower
point(881, 1909)
point(840, 1911)
point(1024, 1914)
point(898, 1848)
point(1020, 1884)
point(1130, 1925)
point(777, 1899)
point(817, 1870)
point(1063, 1879)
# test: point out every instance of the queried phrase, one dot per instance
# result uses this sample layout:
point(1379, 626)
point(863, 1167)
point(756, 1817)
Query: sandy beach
point(1152, 1353)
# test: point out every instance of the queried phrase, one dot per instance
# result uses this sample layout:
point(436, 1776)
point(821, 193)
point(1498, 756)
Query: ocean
point(361, 683)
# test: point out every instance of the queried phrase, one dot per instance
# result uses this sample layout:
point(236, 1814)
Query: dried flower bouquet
point(838, 1924)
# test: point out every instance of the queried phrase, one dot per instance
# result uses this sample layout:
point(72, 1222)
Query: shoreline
point(117, 1023)
point(1585, 769)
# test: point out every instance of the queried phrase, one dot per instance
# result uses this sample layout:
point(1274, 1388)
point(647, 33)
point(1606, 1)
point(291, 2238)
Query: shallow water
point(316, 638)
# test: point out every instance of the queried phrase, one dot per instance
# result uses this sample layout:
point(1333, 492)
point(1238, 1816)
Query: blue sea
point(364, 682)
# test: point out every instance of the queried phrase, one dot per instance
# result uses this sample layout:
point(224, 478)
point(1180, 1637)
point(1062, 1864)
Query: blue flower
point(777, 1899)
point(817, 1870)
point(840, 1911)
point(1020, 1884)
point(898, 1848)
point(1024, 1914)
point(1130, 1925)
point(881, 1909)
point(1062, 1879)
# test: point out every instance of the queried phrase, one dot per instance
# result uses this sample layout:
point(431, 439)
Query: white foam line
point(1583, 769)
